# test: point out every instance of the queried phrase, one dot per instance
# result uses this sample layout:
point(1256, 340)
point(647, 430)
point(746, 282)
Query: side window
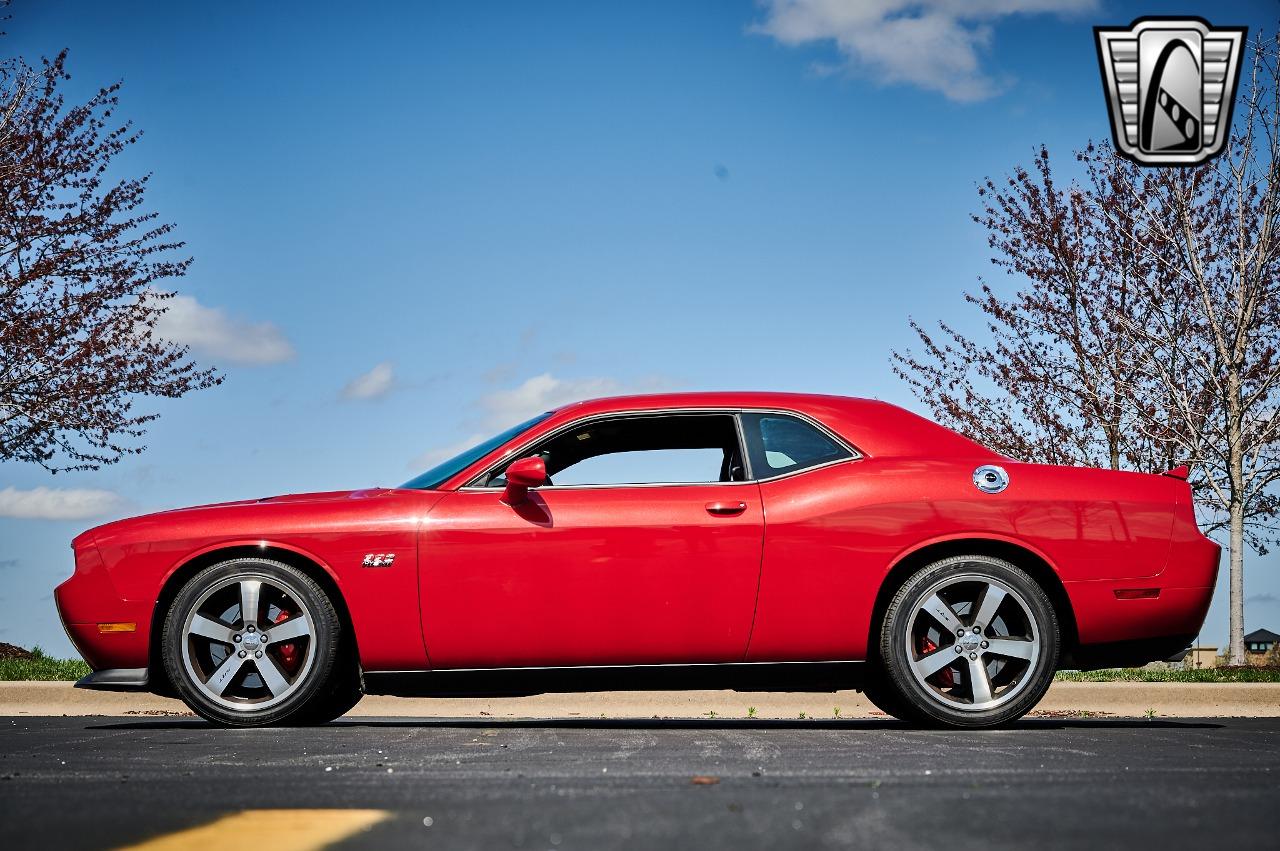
point(779, 443)
point(637, 450)
point(645, 466)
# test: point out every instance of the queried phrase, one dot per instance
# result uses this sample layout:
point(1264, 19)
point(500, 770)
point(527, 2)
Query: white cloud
point(211, 331)
point(505, 408)
point(373, 384)
point(58, 503)
point(933, 44)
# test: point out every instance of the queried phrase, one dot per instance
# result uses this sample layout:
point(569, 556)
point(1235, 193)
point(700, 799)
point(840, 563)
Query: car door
point(607, 572)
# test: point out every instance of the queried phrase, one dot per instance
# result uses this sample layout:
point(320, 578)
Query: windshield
point(446, 470)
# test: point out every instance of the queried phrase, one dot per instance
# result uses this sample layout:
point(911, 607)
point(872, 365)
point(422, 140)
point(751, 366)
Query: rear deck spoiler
point(1181, 472)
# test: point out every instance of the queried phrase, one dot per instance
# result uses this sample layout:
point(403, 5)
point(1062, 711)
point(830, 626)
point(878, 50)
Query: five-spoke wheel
point(972, 642)
point(250, 642)
point(969, 641)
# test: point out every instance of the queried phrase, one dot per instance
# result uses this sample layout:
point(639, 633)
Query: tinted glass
point(446, 470)
point(779, 444)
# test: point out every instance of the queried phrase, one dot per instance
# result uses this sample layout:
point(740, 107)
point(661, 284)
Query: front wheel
point(250, 642)
point(339, 696)
point(969, 641)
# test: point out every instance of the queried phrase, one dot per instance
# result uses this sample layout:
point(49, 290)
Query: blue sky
point(415, 222)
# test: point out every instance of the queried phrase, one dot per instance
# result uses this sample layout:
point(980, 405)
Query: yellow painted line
point(278, 830)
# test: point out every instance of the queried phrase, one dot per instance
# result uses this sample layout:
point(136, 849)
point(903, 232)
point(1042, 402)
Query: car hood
point(318, 496)
point(195, 510)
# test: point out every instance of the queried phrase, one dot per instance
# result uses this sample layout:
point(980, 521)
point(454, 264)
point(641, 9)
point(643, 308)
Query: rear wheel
point(969, 641)
point(250, 642)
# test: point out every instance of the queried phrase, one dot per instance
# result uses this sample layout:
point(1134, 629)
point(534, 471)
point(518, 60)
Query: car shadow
point(1025, 724)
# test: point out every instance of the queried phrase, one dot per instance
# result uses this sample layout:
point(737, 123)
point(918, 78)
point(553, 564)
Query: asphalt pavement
point(86, 782)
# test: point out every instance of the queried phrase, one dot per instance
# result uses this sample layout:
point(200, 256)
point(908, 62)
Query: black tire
point(876, 688)
point(978, 684)
point(182, 653)
point(339, 696)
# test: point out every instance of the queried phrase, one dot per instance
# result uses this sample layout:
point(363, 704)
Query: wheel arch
point(159, 681)
point(1035, 564)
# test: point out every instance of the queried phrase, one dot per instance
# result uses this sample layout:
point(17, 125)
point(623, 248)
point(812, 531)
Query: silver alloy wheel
point(248, 642)
point(973, 642)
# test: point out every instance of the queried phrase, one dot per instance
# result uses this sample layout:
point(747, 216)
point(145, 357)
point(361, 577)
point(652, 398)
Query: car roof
point(712, 399)
point(872, 426)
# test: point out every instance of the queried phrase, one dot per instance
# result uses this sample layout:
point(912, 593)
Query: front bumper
point(88, 599)
point(117, 679)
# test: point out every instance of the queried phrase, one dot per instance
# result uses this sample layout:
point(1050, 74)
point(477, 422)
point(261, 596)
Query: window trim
point(735, 412)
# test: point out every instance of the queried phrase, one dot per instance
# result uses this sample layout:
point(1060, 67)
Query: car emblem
point(1170, 85)
point(379, 559)
point(990, 479)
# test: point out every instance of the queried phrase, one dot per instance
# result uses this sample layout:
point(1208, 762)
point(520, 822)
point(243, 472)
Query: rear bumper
point(117, 679)
point(1103, 618)
point(1121, 613)
point(1126, 654)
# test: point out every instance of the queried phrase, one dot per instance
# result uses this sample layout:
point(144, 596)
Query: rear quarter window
point(779, 443)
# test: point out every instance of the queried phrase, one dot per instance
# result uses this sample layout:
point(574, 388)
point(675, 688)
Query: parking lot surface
point(591, 784)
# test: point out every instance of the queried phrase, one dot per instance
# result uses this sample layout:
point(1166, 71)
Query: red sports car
point(729, 540)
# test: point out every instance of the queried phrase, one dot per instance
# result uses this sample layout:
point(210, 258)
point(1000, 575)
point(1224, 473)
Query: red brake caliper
point(946, 679)
point(288, 650)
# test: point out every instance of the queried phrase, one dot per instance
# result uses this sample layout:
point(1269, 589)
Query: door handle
point(726, 509)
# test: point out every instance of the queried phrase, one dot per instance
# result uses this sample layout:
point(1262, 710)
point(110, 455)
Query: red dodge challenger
point(709, 540)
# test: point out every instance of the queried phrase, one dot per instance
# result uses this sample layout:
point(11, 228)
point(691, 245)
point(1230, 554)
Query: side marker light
point(1137, 593)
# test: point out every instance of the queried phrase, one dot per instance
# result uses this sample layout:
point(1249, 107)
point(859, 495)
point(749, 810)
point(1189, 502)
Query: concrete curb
point(1167, 700)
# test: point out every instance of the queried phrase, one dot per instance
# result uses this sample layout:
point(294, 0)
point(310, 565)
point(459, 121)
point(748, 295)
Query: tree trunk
point(1235, 512)
point(1235, 507)
point(1236, 645)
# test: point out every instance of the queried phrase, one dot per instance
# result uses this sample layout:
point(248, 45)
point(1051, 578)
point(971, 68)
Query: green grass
point(1194, 675)
point(42, 667)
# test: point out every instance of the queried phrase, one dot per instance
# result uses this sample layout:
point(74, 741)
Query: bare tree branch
point(79, 261)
